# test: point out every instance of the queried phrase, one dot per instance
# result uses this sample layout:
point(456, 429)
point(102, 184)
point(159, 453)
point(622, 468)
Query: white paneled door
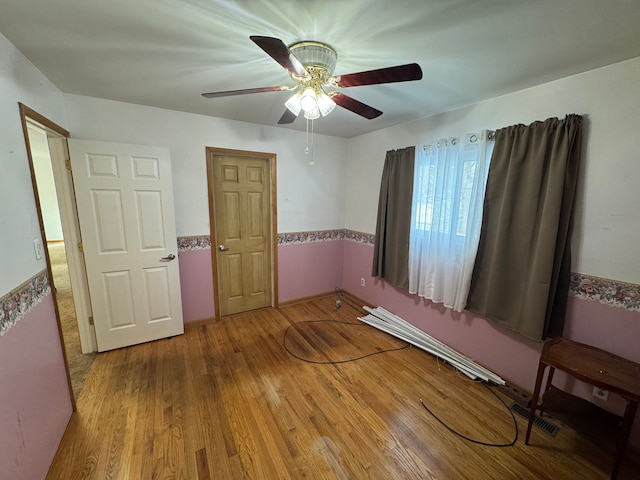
point(125, 208)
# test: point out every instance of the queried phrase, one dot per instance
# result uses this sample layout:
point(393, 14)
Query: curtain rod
point(491, 134)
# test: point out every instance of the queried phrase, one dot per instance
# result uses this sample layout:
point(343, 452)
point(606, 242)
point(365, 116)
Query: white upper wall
point(607, 223)
point(309, 198)
point(46, 183)
point(21, 82)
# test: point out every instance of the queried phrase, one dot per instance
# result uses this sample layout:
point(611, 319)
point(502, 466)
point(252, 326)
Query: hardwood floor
point(226, 401)
point(79, 364)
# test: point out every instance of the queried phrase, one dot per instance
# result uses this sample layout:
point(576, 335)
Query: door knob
point(169, 257)
point(222, 248)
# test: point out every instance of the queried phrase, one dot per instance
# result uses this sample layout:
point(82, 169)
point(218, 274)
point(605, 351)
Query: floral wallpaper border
point(203, 242)
point(606, 291)
point(19, 301)
point(196, 242)
point(325, 235)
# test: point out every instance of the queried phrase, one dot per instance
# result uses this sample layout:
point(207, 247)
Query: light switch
point(37, 246)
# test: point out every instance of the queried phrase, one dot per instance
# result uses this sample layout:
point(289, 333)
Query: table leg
point(627, 422)
point(549, 378)
point(534, 401)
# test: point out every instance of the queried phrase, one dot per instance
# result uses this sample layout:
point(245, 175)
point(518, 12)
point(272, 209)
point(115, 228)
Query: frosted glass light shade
point(293, 104)
point(308, 100)
point(325, 104)
point(312, 114)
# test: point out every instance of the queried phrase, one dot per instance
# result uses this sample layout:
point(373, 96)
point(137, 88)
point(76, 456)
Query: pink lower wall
point(510, 355)
point(196, 284)
point(309, 269)
point(304, 270)
point(35, 403)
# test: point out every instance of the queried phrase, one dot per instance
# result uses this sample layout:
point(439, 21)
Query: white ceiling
point(165, 53)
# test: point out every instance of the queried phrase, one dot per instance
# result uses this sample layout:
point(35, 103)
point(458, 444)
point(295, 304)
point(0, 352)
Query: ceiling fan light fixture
point(325, 103)
point(310, 65)
point(293, 104)
point(309, 100)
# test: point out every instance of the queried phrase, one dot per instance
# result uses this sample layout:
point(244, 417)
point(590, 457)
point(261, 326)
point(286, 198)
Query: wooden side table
point(596, 367)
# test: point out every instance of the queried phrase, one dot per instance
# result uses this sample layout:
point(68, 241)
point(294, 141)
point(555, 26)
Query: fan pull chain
point(309, 149)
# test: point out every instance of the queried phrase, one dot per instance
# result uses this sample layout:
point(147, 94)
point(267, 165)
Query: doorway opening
point(55, 202)
point(78, 363)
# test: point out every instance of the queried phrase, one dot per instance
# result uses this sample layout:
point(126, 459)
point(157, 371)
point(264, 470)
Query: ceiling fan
point(310, 65)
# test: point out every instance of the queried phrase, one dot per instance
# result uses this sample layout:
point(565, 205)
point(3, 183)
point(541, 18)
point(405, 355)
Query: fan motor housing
point(316, 56)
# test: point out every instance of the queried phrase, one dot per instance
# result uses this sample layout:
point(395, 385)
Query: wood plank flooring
point(227, 401)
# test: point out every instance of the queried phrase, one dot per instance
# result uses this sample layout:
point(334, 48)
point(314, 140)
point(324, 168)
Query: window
point(448, 193)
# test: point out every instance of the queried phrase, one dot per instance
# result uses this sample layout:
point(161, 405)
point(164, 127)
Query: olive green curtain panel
point(391, 247)
point(521, 275)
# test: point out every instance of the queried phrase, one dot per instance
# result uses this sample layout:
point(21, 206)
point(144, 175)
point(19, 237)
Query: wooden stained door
point(124, 197)
point(242, 204)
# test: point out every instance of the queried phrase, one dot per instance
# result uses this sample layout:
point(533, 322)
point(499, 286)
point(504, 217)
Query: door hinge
point(80, 247)
point(67, 163)
point(90, 320)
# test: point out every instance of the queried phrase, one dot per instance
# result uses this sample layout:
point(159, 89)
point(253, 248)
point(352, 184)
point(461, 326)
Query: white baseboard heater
point(394, 325)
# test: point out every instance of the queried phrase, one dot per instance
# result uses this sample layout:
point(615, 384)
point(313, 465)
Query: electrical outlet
point(601, 394)
point(362, 281)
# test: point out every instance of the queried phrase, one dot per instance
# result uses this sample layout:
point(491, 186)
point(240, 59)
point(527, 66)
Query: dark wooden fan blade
point(244, 91)
point(277, 50)
point(400, 73)
point(354, 105)
point(287, 117)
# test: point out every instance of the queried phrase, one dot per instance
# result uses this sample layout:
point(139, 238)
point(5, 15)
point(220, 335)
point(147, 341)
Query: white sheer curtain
point(448, 193)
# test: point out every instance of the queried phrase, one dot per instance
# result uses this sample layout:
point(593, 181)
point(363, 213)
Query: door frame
point(53, 130)
point(58, 150)
point(211, 152)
